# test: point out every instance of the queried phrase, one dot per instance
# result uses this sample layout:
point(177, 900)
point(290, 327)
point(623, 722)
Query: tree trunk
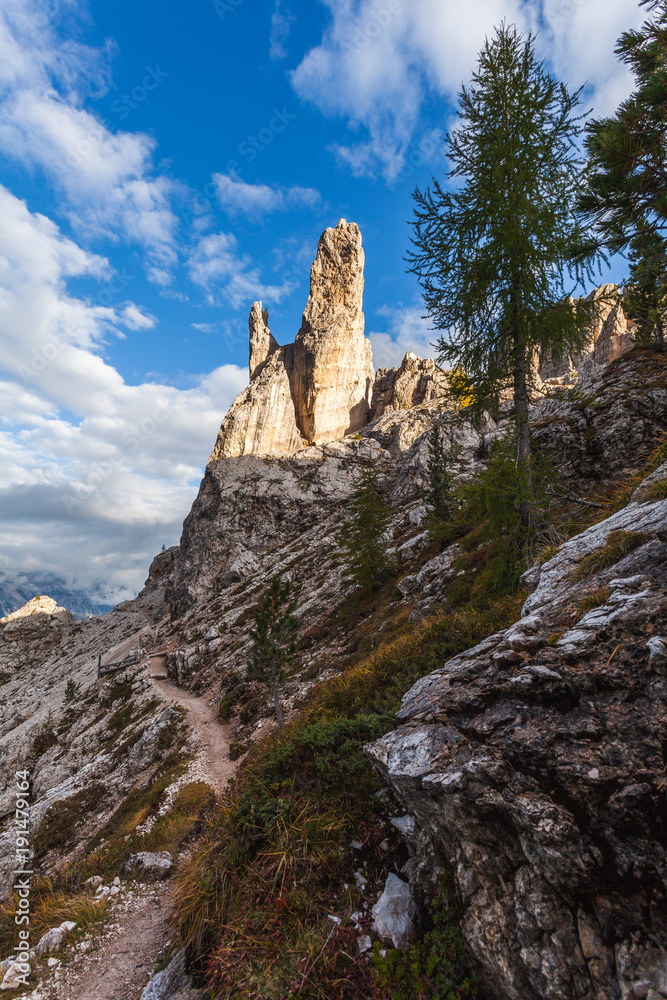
point(276, 699)
point(660, 330)
point(521, 403)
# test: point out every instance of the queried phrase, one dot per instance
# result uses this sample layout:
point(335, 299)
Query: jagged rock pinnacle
point(317, 389)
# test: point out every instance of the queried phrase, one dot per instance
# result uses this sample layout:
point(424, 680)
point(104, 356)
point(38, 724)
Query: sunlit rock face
point(333, 362)
point(317, 389)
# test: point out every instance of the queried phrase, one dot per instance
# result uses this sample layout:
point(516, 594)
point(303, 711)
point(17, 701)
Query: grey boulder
point(394, 913)
point(146, 864)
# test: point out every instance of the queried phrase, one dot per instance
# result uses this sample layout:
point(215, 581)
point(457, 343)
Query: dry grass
point(51, 904)
point(619, 544)
point(594, 599)
point(656, 491)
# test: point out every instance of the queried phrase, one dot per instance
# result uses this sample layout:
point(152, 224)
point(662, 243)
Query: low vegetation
point(275, 861)
point(436, 966)
point(594, 599)
point(619, 544)
point(656, 490)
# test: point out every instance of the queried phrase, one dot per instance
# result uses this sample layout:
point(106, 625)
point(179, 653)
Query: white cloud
point(106, 178)
point(97, 473)
point(281, 25)
point(240, 198)
point(133, 317)
point(406, 330)
point(217, 265)
point(377, 63)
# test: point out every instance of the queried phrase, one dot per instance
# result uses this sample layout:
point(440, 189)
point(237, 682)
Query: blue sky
point(161, 167)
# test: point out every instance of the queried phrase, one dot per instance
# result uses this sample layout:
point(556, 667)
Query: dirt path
point(215, 738)
point(123, 958)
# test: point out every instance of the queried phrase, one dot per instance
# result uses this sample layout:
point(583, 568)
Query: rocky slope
point(534, 765)
point(530, 763)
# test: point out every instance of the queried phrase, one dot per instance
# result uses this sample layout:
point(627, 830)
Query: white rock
point(246, 564)
point(418, 516)
point(657, 647)
point(95, 881)
point(439, 568)
point(406, 826)
point(394, 913)
point(170, 984)
point(151, 865)
point(54, 938)
point(410, 549)
point(408, 585)
point(317, 389)
point(11, 980)
point(364, 943)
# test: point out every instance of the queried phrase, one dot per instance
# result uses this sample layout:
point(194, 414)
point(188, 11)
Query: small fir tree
point(363, 534)
point(71, 691)
point(274, 640)
point(438, 495)
point(498, 255)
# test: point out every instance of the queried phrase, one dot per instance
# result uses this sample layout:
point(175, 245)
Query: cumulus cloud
point(218, 266)
point(377, 64)
point(405, 330)
point(237, 197)
point(106, 178)
point(97, 473)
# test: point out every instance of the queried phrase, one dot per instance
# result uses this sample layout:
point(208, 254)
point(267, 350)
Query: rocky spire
point(262, 341)
point(317, 389)
point(333, 361)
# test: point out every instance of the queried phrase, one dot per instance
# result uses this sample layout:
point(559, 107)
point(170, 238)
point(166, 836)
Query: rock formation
point(262, 341)
point(317, 389)
point(40, 605)
point(610, 335)
point(417, 381)
point(333, 361)
point(532, 764)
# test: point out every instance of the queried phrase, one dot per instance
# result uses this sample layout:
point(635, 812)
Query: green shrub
point(62, 819)
point(46, 737)
point(437, 966)
point(363, 533)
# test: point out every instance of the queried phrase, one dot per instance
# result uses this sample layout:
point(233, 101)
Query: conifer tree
point(498, 253)
point(645, 298)
point(363, 532)
point(438, 495)
point(274, 639)
point(626, 192)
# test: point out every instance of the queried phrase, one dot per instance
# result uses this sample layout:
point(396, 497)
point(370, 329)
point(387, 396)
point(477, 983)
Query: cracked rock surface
point(534, 765)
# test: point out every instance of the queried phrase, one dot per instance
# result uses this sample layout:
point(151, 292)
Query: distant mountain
point(16, 592)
